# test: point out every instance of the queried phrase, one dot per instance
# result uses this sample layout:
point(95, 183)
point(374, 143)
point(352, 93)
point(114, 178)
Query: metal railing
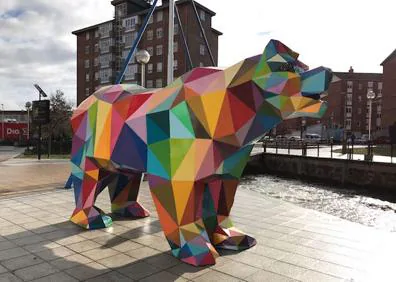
point(348, 151)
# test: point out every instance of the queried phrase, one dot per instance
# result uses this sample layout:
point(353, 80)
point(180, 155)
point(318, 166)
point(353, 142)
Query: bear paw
point(130, 209)
point(232, 239)
point(91, 218)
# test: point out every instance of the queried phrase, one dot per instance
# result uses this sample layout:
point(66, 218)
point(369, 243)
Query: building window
point(358, 124)
point(150, 68)
point(159, 50)
point(158, 83)
point(87, 77)
point(348, 123)
point(86, 50)
point(130, 23)
point(202, 15)
point(176, 29)
point(360, 86)
point(131, 71)
point(96, 33)
point(175, 47)
point(159, 67)
point(379, 85)
point(150, 50)
point(149, 83)
point(86, 64)
point(87, 36)
point(96, 61)
point(349, 110)
point(159, 32)
point(105, 60)
point(104, 29)
point(360, 98)
point(151, 19)
point(104, 45)
point(87, 92)
point(96, 47)
point(160, 16)
point(150, 34)
point(201, 64)
point(370, 84)
point(174, 64)
point(96, 75)
point(359, 111)
point(202, 49)
point(105, 75)
point(129, 38)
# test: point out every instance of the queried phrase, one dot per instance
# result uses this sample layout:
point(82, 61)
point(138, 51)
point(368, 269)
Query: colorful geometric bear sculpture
point(193, 138)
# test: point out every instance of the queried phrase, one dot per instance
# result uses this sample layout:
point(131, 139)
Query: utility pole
point(170, 40)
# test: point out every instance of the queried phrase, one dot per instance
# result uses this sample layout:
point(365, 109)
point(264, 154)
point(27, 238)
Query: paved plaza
point(37, 242)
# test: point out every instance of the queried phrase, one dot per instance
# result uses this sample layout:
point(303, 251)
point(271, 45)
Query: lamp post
point(171, 36)
point(370, 97)
point(2, 122)
point(303, 123)
point(28, 105)
point(41, 93)
point(143, 57)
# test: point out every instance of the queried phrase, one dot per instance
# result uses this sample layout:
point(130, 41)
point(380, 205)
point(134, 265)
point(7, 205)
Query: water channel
point(362, 206)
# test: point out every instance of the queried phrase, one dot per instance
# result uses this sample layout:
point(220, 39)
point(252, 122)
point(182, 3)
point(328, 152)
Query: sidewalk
point(17, 175)
point(37, 242)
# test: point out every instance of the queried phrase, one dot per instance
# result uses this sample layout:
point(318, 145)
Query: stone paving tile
point(117, 261)
point(162, 261)
point(21, 262)
point(55, 253)
point(87, 271)
point(188, 271)
point(215, 276)
point(83, 246)
point(8, 277)
point(163, 276)
point(112, 276)
point(99, 253)
point(12, 253)
point(138, 270)
point(41, 246)
point(142, 253)
point(56, 277)
point(237, 269)
point(35, 271)
point(313, 276)
point(70, 261)
point(263, 275)
point(286, 269)
point(4, 245)
point(2, 269)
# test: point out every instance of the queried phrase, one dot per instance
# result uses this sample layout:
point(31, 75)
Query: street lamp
point(143, 57)
point(41, 93)
point(370, 97)
point(28, 105)
point(303, 123)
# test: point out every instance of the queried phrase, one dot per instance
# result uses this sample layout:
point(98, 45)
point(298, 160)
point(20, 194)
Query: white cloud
point(36, 44)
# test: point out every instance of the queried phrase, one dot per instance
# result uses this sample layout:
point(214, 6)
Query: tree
point(60, 113)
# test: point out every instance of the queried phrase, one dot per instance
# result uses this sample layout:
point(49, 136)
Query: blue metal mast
point(136, 43)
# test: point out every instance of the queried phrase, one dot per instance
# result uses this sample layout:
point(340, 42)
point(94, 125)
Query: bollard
point(288, 148)
point(331, 148)
point(265, 146)
point(318, 149)
point(352, 150)
point(391, 153)
point(276, 147)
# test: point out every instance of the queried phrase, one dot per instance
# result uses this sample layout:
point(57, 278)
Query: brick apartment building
point(349, 106)
point(389, 100)
point(102, 48)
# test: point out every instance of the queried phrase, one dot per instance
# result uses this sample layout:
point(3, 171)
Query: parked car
point(382, 140)
point(294, 138)
point(312, 138)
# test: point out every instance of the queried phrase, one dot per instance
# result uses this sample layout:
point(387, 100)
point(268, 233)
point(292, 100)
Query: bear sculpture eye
point(286, 67)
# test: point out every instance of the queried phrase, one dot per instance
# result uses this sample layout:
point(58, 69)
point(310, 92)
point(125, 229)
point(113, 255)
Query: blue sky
point(36, 44)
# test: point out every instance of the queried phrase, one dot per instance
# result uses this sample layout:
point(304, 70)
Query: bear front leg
point(180, 209)
point(223, 233)
point(88, 183)
point(124, 192)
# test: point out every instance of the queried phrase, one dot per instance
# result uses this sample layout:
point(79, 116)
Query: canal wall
point(341, 172)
